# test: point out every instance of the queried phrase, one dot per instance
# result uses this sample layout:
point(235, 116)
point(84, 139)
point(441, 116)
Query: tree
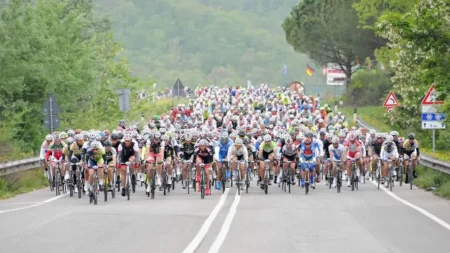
point(420, 39)
point(327, 32)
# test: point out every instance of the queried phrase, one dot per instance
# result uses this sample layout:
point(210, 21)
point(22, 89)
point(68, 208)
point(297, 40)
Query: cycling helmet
point(335, 140)
point(165, 138)
point(267, 137)
point(246, 140)
point(352, 136)
point(372, 131)
point(56, 137)
point(95, 144)
point(114, 136)
point(63, 135)
point(411, 136)
point(78, 137)
point(224, 135)
point(307, 141)
point(49, 137)
point(69, 140)
point(107, 144)
point(394, 133)
point(128, 137)
point(203, 142)
point(162, 130)
point(70, 133)
point(389, 139)
point(288, 141)
point(188, 137)
point(241, 133)
point(92, 136)
point(239, 141)
point(157, 135)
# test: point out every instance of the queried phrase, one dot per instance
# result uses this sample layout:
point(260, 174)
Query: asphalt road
point(367, 220)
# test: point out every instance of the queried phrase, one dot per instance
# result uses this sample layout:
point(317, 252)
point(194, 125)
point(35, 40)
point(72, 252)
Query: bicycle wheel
point(224, 179)
point(339, 181)
point(133, 182)
point(95, 190)
point(57, 183)
point(330, 178)
point(378, 177)
point(153, 184)
point(391, 181)
point(411, 178)
point(105, 188)
point(202, 185)
point(189, 177)
point(238, 183)
point(113, 190)
point(247, 182)
point(400, 175)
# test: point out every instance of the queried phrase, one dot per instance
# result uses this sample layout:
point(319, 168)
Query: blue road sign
point(433, 116)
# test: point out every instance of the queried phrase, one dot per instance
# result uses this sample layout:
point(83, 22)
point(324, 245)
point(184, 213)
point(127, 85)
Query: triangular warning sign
point(431, 98)
point(389, 109)
point(391, 100)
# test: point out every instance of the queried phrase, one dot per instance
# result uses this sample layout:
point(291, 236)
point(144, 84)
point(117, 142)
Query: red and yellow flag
point(309, 70)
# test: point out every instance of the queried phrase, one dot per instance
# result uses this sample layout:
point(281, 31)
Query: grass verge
point(437, 181)
point(22, 182)
point(374, 116)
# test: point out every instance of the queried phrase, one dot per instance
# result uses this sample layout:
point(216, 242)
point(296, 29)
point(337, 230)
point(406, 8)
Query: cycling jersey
point(336, 153)
point(223, 149)
point(268, 148)
point(241, 153)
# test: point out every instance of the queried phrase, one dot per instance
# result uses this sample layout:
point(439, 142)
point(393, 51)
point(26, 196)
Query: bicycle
point(202, 180)
point(106, 184)
point(339, 176)
point(410, 173)
point(70, 183)
point(354, 176)
point(79, 173)
point(128, 181)
point(286, 180)
point(95, 188)
point(152, 183)
point(239, 176)
point(50, 176)
point(224, 174)
point(165, 178)
point(57, 178)
point(378, 172)
point(188, 180)
point(330, 175)
point(401, 171)
point(265, 187)
point(247, 178)
point(390, 181)
point(308, 175)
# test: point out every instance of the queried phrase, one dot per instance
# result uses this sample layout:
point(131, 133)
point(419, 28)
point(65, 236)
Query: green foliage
point(207, 41)
point(368, 87)
point(432, 178)
point(22, 182)
point(327, 31)
point(59, 47)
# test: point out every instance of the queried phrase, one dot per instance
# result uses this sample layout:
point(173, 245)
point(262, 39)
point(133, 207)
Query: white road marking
point(35, 205)
point(420, 210)
point(226, 226)
point(17, 203)
point(205, 227)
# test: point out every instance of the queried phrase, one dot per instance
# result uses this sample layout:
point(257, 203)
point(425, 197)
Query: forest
point(207, 41)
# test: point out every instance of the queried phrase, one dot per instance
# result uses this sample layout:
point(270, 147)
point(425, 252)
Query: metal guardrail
point(18, 166)
point(425, 160)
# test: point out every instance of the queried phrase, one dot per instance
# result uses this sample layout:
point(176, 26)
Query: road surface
point(367, 220)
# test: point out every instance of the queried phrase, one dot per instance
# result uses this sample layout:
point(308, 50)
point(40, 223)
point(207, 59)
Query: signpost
point(51, 110)
point(431, 118)
point(177, 85)
point(124, 100)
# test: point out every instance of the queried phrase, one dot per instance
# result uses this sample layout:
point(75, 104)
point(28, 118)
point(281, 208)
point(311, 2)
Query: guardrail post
point(335, 106)
point(434, 141)
point(354, 115)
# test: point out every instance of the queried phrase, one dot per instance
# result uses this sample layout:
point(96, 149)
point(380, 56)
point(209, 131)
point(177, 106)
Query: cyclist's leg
point(169, 169)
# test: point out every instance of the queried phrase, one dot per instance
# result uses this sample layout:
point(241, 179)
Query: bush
point(368, 87)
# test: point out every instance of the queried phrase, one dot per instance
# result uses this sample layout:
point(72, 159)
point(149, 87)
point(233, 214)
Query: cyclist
point(336, 151)
point(222, 148)
point(187, 149)
point(354, 151)
point(375, 149)
point(155, 155)
point(110, 160)
point(128, 151)
point(388, 152)
point(203, 154)
point(290, 154)
point(267, 151)
point(95, 157)
point(411, 150)
point(307, 153)
point(238, 152)
point(55, 151)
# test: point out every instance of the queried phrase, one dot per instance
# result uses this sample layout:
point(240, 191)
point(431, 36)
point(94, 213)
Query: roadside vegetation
point(22, 182)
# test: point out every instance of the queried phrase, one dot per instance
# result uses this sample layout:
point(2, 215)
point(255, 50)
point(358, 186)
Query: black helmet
point(114, 136)
point(411, 136)
point(241, 133)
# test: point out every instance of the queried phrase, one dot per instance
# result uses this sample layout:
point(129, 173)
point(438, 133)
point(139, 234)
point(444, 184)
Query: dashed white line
point(226, 226)
point(205, 227)
point(34, 205)
point(420, 210)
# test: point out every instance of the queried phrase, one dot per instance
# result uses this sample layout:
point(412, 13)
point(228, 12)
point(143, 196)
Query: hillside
point(207, 41)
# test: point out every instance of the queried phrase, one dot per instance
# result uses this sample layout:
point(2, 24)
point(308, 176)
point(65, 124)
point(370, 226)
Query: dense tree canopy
point(207, 41)
point(327, 31)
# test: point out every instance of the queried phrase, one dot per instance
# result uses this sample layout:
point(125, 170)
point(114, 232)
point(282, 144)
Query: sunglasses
point(94, 149)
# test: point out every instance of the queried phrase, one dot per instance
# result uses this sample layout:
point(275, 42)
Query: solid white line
point(35, 205)
point(17, 203)
point(226, 226)
point(420, 210)
point(205, 227)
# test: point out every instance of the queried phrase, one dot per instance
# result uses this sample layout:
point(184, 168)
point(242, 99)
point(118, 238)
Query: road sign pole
point(51, 116)
point(354, 116)
point(434, 141)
